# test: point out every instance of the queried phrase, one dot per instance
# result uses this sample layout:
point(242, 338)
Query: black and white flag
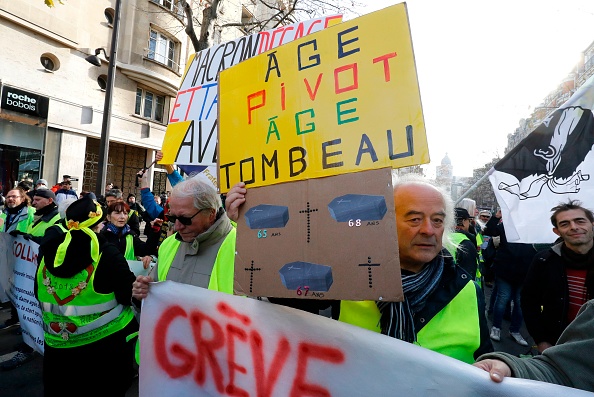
point(552, 164)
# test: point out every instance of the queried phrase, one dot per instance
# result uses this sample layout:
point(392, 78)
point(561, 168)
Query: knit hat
point(41, 182)
point(45, 193)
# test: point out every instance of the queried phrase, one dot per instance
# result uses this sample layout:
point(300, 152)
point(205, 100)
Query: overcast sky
point(483, 66)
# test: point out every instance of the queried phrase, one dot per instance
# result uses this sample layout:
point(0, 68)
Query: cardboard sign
point(342, 100)
point(191, 136)
point(329, 238)
point(18, 272)
point(196, 342)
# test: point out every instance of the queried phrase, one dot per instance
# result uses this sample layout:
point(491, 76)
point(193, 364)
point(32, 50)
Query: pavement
point(26, 381)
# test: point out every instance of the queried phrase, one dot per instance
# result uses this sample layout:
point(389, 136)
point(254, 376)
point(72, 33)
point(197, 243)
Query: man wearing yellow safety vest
point(463, 248)
point(201, 252)
point(444, 309)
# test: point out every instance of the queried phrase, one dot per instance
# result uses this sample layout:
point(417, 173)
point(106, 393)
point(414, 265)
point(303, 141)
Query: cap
point(462, 214)
point(485, 212)
point(45, 193)
point(66, 177)
point(41, 182)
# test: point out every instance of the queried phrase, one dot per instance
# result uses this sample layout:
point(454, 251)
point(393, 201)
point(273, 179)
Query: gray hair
point(469, 205)
point(117, 193)
point(204, 194)
point(450, 221)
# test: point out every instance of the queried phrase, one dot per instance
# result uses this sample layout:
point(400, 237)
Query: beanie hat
point(45, 193)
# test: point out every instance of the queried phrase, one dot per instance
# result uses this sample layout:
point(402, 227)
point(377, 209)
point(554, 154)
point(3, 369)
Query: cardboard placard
point(342, 100)
point(328, 238)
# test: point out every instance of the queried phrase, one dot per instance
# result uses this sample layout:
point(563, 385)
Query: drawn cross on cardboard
point(369, 266)
point(307, 212)
point(252, 269)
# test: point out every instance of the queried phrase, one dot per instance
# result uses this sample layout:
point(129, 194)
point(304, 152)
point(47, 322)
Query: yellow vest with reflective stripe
point(457, 239)
point(72, 320)
point(221, 278)
point(23, 224)
point(39, 229)
point(129, 254)
point(454, 331)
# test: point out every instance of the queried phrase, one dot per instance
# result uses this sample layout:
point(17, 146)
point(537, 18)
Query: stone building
point(53, 99)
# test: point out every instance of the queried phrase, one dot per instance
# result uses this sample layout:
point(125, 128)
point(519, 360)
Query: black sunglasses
point(184, 220)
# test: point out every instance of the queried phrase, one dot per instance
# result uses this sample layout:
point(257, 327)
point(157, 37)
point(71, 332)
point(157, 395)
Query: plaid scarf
point(397, 318)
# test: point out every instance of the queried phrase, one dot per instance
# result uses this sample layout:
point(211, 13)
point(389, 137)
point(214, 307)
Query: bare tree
point(279, 12)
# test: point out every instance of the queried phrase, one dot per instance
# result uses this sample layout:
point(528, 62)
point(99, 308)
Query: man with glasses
point(201, 252)
point(484, 216)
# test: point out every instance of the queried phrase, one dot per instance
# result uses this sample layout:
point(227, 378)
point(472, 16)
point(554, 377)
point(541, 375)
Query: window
point(161, 48)
point(149, 105)
point(50, 62)
point(171, 5)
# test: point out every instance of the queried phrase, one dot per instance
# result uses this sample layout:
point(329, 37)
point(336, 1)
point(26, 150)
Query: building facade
point(53, 99)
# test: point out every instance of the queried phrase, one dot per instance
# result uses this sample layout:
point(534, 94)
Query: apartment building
point(52, 98)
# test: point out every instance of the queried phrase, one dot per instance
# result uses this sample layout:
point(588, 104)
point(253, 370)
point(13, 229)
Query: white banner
point(199, 342)
point(18, 268)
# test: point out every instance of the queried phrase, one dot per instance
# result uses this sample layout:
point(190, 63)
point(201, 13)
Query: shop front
point(23, 123)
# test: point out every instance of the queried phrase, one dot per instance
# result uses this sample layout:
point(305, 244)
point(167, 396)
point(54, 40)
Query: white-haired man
point(201, 252)
point(443, 308)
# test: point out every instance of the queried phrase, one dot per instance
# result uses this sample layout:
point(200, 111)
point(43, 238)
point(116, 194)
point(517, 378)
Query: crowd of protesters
point(447, 257)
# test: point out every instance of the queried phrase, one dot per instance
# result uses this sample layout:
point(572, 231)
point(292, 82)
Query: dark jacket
point(141, 248)
point(512, 260)
point(466, 254)
point(546, 287)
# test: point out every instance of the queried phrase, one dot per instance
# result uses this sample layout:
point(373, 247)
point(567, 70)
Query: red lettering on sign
point(322, 353)
point(312, 95)
point(216, 342)
point(230, 312)
point(265, 379)
point(384, 59)
point(233, 333)
point(262, 95)
point(187, 358)
point(206, 348)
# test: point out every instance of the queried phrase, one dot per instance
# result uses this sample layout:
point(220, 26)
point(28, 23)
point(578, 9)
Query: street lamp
point(94, 60)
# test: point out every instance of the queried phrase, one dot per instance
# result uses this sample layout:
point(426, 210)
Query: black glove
point(15, 233)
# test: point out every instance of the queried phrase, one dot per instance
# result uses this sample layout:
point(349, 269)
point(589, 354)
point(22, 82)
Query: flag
point(554, 163)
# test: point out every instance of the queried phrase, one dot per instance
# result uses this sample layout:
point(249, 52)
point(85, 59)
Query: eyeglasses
point(184, 220)
point(13, 197)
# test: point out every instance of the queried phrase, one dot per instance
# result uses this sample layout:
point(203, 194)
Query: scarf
point(118, 231)
point(397, 318)
point(15, 210)
point(46, 210)
point(574, 260)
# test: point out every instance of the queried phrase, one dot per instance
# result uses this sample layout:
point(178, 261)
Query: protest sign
point(191, 136)
point(17, 277)
point(200, 342)
point(326, 238)
point(342, 100)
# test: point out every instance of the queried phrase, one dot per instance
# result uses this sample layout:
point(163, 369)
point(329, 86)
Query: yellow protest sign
point(342, 100)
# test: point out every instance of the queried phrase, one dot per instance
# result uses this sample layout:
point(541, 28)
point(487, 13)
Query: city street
point(26, 380)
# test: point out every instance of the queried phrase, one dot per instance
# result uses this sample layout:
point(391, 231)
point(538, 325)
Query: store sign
point(24, 102)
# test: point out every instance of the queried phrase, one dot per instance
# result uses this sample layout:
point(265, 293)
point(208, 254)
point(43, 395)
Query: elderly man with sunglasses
point(201, 252)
